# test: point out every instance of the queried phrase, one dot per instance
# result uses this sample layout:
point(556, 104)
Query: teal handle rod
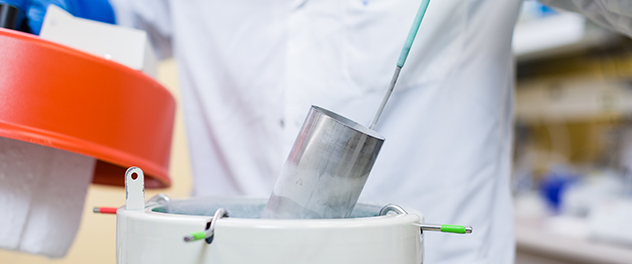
point(402, 58)
point(412, 33)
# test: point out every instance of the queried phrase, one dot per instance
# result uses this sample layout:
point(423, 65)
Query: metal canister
point(326, 170)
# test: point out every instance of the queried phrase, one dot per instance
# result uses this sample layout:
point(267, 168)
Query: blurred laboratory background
point(572, 179)
point(572, 176)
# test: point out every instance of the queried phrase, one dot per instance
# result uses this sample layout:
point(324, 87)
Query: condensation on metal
point(326, 169)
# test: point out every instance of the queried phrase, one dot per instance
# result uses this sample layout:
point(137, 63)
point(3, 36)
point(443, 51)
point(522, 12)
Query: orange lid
point(63, 98)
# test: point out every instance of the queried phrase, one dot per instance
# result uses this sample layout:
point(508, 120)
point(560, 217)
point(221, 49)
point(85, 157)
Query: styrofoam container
point(127, 46)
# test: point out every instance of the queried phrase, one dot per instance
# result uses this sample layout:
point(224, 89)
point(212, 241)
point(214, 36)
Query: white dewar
point(145, 236)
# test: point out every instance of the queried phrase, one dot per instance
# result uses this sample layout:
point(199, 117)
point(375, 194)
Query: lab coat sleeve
point(153, 16)
point(611, 14)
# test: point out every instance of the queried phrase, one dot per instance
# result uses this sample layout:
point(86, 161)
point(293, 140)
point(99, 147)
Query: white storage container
point(154, 233)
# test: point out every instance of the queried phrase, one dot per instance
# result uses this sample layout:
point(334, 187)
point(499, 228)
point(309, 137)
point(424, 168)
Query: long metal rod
point(385, 99)
point(421, 12)
point(430, 227)
point(457, 229)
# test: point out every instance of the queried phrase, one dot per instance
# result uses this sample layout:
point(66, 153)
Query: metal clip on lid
point(209, 234)
point(134, 189)
point(456, 229)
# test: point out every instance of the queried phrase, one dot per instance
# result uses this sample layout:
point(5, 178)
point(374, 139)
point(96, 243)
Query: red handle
point(105, 210)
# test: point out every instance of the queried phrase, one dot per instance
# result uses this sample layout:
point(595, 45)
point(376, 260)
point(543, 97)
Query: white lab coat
point(250, 69)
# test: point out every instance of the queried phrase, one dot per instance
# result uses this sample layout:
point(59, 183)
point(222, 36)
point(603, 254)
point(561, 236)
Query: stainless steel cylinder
point(326, 170)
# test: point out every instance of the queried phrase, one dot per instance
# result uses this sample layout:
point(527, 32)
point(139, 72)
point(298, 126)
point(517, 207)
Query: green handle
point(459, 229)
point(412, 33)
point(198, 235)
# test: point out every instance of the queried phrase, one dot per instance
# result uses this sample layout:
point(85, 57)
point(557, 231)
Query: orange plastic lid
point(63, 98)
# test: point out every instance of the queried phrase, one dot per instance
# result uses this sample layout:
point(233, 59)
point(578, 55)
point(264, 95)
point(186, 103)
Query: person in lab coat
point(250, 70)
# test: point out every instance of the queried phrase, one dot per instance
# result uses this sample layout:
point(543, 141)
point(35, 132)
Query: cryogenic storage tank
point(228, 230)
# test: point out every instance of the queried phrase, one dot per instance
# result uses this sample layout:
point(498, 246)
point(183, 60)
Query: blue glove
point(98, 10)
point(20, 4)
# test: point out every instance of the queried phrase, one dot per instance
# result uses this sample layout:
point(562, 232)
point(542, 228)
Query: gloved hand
point(34, 10)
